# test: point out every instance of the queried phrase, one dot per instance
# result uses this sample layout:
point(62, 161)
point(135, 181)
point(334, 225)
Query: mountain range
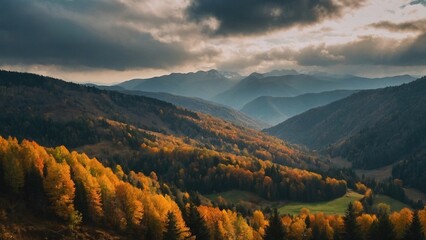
point(257, 85)
point(201, 84)
point(231, 89)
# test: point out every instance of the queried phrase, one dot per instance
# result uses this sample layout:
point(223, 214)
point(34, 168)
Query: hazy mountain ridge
point(202, 84)
point(198, 105)
point(257, 85)
point(274, 110)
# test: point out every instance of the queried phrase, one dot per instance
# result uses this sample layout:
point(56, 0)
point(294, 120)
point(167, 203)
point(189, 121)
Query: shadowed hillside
point(372, 128)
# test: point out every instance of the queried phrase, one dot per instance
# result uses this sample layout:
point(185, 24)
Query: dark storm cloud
point(64, 33)
point(256, 16)
point(366, 51)
point(405, 26)
point(423, 2)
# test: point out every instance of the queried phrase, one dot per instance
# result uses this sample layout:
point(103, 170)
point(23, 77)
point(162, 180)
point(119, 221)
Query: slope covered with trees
point(371, 128)
point(192, 151)
point(75, 190)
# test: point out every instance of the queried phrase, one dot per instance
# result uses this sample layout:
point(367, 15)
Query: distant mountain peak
point(256, 75)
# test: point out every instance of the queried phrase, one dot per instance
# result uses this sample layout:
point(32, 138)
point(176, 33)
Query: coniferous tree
point(351, 227)
point(197, 225)
point(315, 232)
point(385, 228)
point(275, 230)
point(414, 231)
point(172, 231)
point(373, 233)
point(308, 221)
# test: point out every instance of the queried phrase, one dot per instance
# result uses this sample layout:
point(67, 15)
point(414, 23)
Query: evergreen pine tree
point(414, 231)
point(308, 221)
point(385, 228)
point(351, 227)
point(315, 232)
point(197, 225)
point(275, 230)
point(172, 231)
point(373, 233)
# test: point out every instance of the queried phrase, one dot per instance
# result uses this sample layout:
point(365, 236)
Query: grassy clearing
point(395, 205)
point(415, 194)
point(378, 174)
point(336, 206)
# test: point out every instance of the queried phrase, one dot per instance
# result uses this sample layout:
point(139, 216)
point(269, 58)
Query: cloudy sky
point(108, 41)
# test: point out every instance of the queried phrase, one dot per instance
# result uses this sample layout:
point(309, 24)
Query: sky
point(110, 41)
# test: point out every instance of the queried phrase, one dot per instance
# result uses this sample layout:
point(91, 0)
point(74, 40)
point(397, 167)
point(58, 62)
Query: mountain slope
point(199, 84)
point(190, 150)
point(371, 128)
point(73, 109)
point(274, 110)
point(198, 105)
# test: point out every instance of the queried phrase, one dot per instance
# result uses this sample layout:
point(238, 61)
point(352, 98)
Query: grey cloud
point(423, 2)
point(367, 51)
point(257, 16)
point(38, 32)
point(418, 25)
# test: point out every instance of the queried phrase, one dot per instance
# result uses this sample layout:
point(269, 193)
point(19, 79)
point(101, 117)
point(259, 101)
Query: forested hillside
point(192, 151)
point(74, 189)
point(371, 128)
point(83, 199)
